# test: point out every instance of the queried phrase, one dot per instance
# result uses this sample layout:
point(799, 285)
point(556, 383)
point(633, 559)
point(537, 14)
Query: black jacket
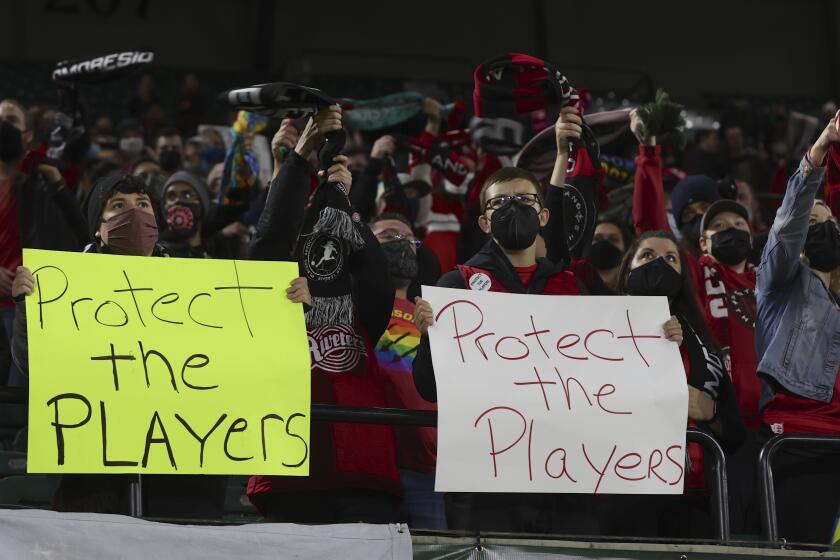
point(492, 259)
point(706, 373)
point(216, 247)
point(365, 185)
point(48, 215)
point(277, 233)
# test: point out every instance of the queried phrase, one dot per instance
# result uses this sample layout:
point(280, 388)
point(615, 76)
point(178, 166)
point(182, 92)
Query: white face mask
point(673, 223)
point(131, 146)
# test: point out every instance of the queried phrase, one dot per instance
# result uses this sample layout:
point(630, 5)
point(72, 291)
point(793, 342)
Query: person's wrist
point(562, 148)
point(816, 155)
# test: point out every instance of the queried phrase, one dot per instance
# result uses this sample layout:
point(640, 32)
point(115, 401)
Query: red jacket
point(649, 202)
point(561, 283)
point(344, 372)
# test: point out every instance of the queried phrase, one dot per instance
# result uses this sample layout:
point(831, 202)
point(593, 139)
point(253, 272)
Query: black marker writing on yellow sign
point(194, 361)
point(62, 422)
point(52, 285)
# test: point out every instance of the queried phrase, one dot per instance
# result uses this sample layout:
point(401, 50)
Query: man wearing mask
point(185, 205)
point(169, 148)
point(130, 141)
point(727, 295)
point(36, 211)
point(798, 340)
point(12, 130)
point(122, 220)
point(395, 352)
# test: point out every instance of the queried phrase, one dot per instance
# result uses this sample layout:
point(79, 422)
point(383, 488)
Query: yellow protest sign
point(163, 365)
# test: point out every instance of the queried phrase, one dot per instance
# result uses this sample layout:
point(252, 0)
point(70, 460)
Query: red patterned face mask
point(133, 232)
point(183, 219)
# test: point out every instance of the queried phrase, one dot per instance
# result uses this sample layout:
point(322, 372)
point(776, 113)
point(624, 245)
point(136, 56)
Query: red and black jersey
point(728, 300)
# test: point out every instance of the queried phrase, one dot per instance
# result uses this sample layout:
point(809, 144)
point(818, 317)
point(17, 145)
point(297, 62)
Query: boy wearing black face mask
point(727, 295)
point(513, 214)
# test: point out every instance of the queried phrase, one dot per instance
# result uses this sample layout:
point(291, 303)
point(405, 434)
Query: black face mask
point(731, 246)
point(515, 225)
point(656, 278)
point(11, 142)
point(604, 255)
point(184, 219)
point(402, 262)
point(170, 160)
point(822, 246)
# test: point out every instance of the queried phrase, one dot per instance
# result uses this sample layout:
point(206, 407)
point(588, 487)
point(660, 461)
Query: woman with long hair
point(655, 266)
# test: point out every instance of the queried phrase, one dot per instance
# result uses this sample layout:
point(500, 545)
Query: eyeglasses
point(525, 198)
point(391, 235)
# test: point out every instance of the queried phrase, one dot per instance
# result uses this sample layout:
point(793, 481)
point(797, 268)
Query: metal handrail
point(720, 491)
point(769, 522)
point(720, 488)
point(406, 417)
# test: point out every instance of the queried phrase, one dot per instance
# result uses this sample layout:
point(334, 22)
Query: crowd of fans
point(546, 199)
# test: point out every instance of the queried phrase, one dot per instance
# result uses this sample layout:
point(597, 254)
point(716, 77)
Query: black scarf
point(330, 234)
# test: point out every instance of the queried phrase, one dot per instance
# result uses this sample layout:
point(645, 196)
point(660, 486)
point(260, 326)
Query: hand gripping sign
point(563, 394)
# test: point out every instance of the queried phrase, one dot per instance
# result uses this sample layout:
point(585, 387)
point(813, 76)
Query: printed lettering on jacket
point(336, 348)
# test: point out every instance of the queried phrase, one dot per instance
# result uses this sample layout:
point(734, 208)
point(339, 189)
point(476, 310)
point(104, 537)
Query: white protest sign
point(564, 394)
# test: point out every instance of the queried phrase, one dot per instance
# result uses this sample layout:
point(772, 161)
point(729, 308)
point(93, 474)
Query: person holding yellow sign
point(123, 220)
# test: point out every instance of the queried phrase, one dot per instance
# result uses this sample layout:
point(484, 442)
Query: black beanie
point(192, 180)
point(102, 191)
